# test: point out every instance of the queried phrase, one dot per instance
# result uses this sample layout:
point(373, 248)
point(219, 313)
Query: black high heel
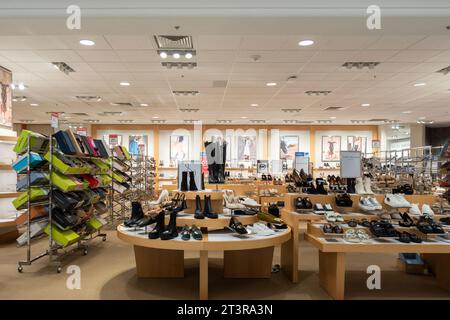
point(171, 231)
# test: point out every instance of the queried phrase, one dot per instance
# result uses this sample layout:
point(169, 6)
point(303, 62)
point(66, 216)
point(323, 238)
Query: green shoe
point(269, 218)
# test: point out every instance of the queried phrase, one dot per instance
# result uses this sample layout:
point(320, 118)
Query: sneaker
point(338, 217)
point(328, 207)
point(426, 210)
point(376, 205)
point(329, 215)
point(250, 202)
point(365, 204)
point(392, 200)
point(402, 201)
point(319, 209)
point(414, 210)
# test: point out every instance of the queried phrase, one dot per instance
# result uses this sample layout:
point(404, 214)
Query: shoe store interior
point(224, 150)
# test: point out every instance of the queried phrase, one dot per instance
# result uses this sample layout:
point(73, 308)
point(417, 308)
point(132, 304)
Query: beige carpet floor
point(107, 272)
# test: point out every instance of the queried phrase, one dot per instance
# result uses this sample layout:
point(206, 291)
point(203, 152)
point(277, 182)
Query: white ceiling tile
point(395, 42)
point(333, 56)
point(108, 66)
point(73, 42)
point(21, 56)
point(131, 42)
point(321, 67)
point(59, 56)
point(262, 42)
point(413, 55)
point(223, 42)
point(98, 55)
point(438, 42)
point(374, 55)
point(138, 55)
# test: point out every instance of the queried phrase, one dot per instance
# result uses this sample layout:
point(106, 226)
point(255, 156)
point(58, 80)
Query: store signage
point(81, 131)
point(113, 140)
point(301, 162)
point(350, 164)
point(54, 119)
point(262, 166)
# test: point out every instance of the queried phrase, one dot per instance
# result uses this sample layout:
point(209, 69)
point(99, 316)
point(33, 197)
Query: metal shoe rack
point(54, 251)
point(119, 201)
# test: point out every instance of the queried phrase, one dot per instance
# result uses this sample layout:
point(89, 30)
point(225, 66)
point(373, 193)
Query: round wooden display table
point(187, 219)
point(247, 256)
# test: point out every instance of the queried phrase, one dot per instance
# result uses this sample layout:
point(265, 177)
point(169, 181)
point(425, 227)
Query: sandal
point(352, 223)
point(185, 233)
point(337, 229)
point(196, 232)
point(327, 228)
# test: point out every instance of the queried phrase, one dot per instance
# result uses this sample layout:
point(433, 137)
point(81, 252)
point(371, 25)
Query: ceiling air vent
point(91, 121)
point(318, 92)
point(224, 121)
point(358, 121)
point(158, 121)
point(111, 113)
point(79, 114)
point(291, 110)
point(179, 65)
point(333, 108)
point(258, 121)
point(220, 83)
point(185, 93)
point(63, 67)
point(378, 120)
point(324, 121)
point(26, 121)
point(444, 71)
point(174, 42)
point(190, 121)
point(360, 65)
point(89, 98)
point(122, 104)
point(189, 110)
point(126, 121)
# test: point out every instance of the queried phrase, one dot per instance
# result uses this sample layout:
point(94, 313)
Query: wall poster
point(357, 144)
point(179, 148)
point(288, 147)
point(331, 148)
point(246, 148)
point(5, 97)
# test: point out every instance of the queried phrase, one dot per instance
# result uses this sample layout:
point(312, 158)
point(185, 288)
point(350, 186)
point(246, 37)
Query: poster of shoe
point(357, 144)
point(288, 147)
point(5, 97)
point(246, 148)
point(137, 144)
point(331, 148)
point(179, 148)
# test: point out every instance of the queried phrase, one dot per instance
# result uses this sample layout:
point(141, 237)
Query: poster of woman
point(357, 144)
point(331, 148)
point(246, 148)
point(288, 147)
point(5, 97)
point(179, 148)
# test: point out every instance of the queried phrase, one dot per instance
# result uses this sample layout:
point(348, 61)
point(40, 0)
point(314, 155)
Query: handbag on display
point(75, 143)
point(65, 144)
point(38, 142)
point(36, 194)
point(36, 179)
point(102, 150)
point(20, 165)
point(274, 210)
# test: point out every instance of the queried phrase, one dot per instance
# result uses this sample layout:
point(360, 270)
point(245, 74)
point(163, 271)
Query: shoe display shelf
point(62, 240)
point(333, 249)
point(294, 218)
point(8, 227)
point(142, 173)
point(444, 181)
point(121, 184)
point(248, 256)
point(239, 189)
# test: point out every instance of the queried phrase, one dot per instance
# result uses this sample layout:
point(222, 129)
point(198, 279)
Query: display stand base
point(159, 263)
point(254, 263)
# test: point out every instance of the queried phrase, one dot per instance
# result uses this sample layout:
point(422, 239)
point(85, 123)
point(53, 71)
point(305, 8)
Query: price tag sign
point(113, 140)
point(82, 131)
point(350, 164)
point(54, 120)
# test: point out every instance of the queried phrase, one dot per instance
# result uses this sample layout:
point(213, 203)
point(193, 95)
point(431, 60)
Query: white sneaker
point(402, 201)
point(365, 204)
point(392, 200)
point(426, 210)
point(250, 202)
point(414, 210)
point(376, 205)
point(328, 207)
point(359, 186)
point(319, 209)
point(338, 217)
point(329, 215)
point(367, 188)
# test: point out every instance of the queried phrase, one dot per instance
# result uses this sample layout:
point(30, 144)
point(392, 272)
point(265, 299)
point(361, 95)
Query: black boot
point(159, 228)
point(203, 181)
point(351, 185)
point(321, 188)
point(171, 231)
point(192, 185)
point(184, 182)
point(198, 214)
point(136, 214)
point(207, 209)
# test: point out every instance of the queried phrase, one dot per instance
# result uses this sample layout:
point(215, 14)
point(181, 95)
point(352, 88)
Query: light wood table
point(244, 257)
point(332, 259)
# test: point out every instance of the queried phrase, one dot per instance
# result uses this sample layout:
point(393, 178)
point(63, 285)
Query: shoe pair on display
point(232, 201)
point(369, 204)
point(249, 202)
point(354, 223)
point(344, 200)
point(137, 214)
point(428, 225)
point(322, 209)
point(362, 186)
point(407, 237)
point(207, 208)
point(383, 229)
point(303, 203)
point(267, 217)
point(405, 189)
point(406, 220)
point(415, 211)
point(332, 216)
point(260, 229)
point(356, 235)
point(193, 231)
point(184, 181)
point(266, 177)
point(329, 228)
point(160, 231)
point(396, 201)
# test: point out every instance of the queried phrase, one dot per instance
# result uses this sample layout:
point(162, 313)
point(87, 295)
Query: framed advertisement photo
point(246, 148)
point(288, 147)
point(331, 148)
point(355, 143)
point(179, 148)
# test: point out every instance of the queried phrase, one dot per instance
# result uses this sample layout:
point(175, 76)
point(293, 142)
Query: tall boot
point(171, 230)
point(351, 185)
point(192, 185)
point(207, 208)
point(184, 182)
point(159, 228)
point(220, 173)
point(203, 181)
point(321, 188)
point(198, 214)
point(136, 214)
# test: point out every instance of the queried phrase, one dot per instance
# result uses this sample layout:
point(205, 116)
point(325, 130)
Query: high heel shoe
point(171, 230)
point(198, 214)
point(159, 228)
point(164, 195)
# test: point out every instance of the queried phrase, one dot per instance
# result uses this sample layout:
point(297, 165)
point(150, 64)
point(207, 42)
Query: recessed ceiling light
point(176, 55)
point(365, 105)
point(163, 54)
point(21, 86)
point(86, 42)
point(244, 117)
point(155, 117)
point(188, 55)
point(144, 104)
point(332, 117)
point(34, 104)
point(422, 118)
point(420, 84)
point(305, 43)
point(125, 84)
point(271, 84)
point(254, 105)
point(406, 112)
